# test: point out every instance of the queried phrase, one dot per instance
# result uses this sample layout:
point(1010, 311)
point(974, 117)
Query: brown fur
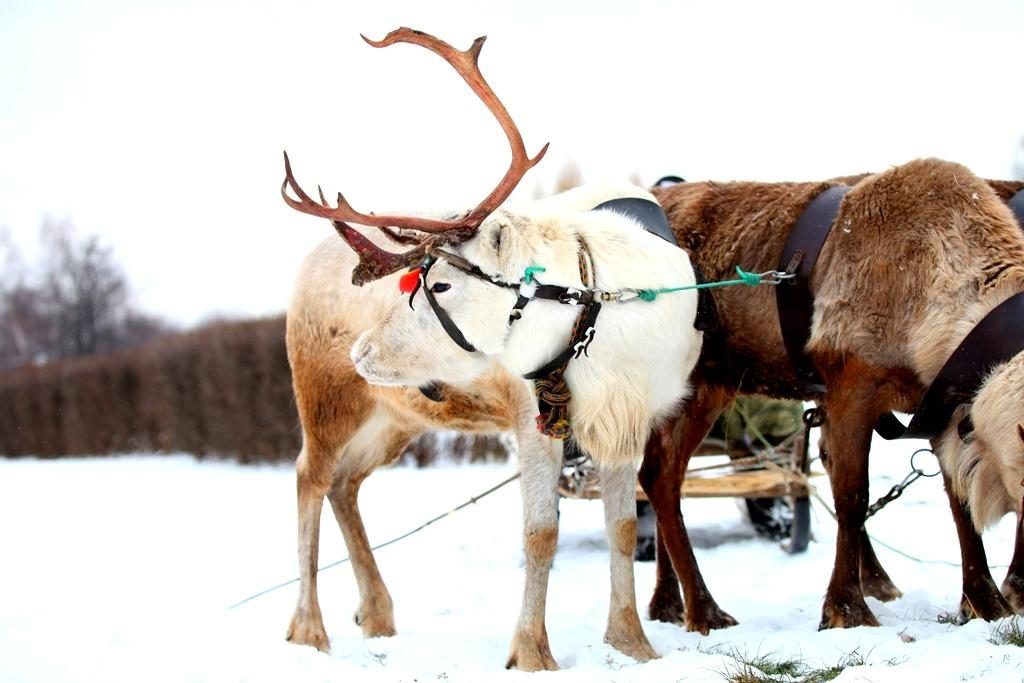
point(916, 250)
point(540, 545)
point(625, 536)
point(350, 429)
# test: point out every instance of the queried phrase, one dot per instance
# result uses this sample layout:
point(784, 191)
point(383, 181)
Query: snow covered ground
point(123, 570)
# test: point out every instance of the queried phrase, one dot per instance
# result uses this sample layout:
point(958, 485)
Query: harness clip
point(775, 277)
point(625, 295)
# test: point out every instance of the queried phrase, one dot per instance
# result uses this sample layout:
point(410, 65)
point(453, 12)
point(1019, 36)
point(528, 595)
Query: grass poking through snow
point(1010, 632)
point(771, 669)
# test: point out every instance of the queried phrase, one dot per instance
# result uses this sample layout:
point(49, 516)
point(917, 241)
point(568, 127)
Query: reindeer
point(467, 323)
point(921, 252)
point(350, 428)
point(724, 225)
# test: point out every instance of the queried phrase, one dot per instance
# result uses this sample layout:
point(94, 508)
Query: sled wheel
point(800, 530)
point(646, 530)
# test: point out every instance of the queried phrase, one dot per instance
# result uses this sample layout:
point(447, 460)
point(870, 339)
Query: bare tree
point(23, 319)
point(77, 304)
point(86, 290)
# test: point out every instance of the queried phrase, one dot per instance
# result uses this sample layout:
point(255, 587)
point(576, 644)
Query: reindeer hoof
point(625, 634)
point(846, 615)
point(375, 624)
point(530, 653)
point(308, 630)
point(667, 606)
point(711, 617)
point(880, 588)
point(1013, 591)
point(985, 602)
point(637, 647)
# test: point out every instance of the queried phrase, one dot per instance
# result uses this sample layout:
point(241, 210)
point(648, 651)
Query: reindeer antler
point(375, 262)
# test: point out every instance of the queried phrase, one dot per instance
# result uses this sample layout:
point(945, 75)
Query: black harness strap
point(1017, 206)
point(994, 340)
point(794, 299)
point(645, 212)
point(442, 315)
point(549, 384)
point(579, 343)
point(446, 321)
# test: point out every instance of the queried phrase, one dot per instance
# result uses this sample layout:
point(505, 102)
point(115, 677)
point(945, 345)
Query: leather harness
point(794, 298)
point(549, 379)
point(994, 340)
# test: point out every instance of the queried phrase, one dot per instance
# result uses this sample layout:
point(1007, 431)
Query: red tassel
point(407, 283)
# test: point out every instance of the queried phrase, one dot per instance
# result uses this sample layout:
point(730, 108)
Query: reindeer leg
point(378, 444)
point(618, 492)
point(1013, 584)
point(540, 463)
point(852, 412)
point(661, 476)
point(874, 580)
point(307, 624)
point(980, 596)
point(667, 602)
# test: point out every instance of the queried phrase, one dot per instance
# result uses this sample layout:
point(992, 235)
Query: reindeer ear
point(1020, 432)
point(497, 238)
point(500, 238)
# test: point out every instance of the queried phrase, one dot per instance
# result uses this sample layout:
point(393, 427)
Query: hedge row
point(224, 390)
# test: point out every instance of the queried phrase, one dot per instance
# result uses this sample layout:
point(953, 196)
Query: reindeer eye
point(439, 287)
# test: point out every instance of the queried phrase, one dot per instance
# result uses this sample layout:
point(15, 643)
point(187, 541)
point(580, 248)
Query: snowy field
point(123, 570)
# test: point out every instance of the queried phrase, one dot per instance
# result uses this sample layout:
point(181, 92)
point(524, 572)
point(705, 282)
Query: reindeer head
point(374, 262)
point(422, 339)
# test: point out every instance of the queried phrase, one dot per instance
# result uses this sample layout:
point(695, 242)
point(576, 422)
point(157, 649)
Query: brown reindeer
point(920, 253)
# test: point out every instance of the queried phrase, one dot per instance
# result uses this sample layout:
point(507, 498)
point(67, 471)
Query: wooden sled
point(761, 473)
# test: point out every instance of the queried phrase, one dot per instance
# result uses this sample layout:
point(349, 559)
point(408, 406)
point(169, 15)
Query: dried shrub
point(223, 390)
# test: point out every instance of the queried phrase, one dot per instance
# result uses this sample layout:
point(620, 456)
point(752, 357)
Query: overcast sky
point(160, 125)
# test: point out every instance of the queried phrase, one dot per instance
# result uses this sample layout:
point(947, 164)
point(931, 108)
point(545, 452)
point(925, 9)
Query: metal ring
point(813, 417)
point(921, 472)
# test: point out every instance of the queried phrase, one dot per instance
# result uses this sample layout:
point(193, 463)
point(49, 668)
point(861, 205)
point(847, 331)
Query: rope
point(385, 544)
point(771, 277)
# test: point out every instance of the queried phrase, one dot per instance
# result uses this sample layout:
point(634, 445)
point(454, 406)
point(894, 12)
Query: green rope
point(745, 278)
point(528, 273)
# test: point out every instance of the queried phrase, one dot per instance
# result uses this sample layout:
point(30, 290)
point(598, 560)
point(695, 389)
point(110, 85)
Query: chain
point(897, 490)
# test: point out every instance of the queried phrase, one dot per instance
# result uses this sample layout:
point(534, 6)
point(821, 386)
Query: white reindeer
point(633, 375)
point(477, 303)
